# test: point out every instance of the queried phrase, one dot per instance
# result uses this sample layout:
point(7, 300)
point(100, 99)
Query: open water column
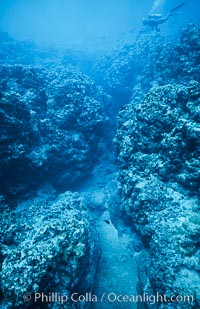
point(100, 148)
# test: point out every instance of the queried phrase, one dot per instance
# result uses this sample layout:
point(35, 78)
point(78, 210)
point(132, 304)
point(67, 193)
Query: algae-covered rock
point(47, 247)
point(52, 122)
point(161, 128)
point(158, 152)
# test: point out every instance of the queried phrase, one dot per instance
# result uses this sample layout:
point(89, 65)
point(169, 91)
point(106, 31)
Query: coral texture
point(158, 145)
point(158, 149)
point(49, 248)
point(52, 122)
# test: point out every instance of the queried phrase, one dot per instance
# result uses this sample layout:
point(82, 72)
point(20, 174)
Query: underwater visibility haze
point(100, 154)
point(84, 23)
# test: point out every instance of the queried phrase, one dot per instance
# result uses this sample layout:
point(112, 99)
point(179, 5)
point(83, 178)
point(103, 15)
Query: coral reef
point(55, 122)
point(47, 247)
point(14, 52)
point(158, 153)
point(158, 149)
point(52, 122)
point(132, 69)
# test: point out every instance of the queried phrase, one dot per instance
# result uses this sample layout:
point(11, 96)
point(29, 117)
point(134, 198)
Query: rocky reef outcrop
point(158, 154)
point(132, 69)
point(46, 248)
point(52, 122)
point(158, 151)
point(14, 52)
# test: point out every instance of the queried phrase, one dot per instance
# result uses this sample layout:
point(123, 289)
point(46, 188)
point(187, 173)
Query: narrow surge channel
point(117, 273)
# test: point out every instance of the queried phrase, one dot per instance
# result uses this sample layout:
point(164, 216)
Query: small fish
point(107, 221)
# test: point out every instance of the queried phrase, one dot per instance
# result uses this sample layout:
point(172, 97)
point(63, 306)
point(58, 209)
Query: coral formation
point(52, 123)
point(49, 248)
point(153, 59)
point(159, 180)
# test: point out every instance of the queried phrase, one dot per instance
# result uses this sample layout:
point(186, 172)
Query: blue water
point(86, 23)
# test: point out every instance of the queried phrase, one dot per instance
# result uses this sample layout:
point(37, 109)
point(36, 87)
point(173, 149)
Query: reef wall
point(52, 122)
point(158, 151)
